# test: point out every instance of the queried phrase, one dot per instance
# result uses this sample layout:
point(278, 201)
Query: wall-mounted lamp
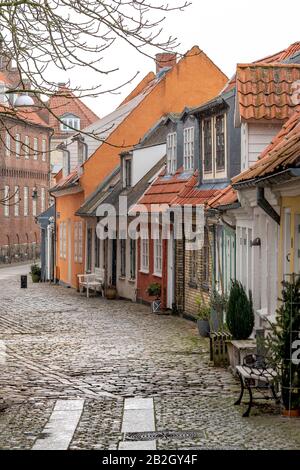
point(255, 242)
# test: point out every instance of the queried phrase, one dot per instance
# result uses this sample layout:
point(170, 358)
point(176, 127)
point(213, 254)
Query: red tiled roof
point(266, 91)
point(282, 153)
point(192, 195)
point(64, 101)
point(67, 181)
point(27, 115)
point(278, 57)
point(225, 197)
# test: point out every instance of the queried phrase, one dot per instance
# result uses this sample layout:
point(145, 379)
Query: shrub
point(240, 316)
point(35, 269)
point(154, 290)
point(203, 312)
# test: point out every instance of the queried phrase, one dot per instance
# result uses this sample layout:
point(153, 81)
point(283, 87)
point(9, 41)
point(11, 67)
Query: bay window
point(214, 147)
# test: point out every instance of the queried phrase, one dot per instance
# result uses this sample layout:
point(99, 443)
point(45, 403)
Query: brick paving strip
point(138, 417)
point(59, 430)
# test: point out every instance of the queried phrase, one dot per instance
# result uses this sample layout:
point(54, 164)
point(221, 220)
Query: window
point(123, 257)
point(78, 242)
point(26, 206)
point(205, 260)
point(97, 251)
point(63, 240)
point(44, 150)
point(70, 122)
point(7, 144)
point(7, 202)
point(214, 147)
point(17, 201)
point(35, 148)
point(193, 267)
point(220, 143)
point(34, 202)
point(26, 147)
point(132, 259)
point(127, 173)
point(145, 255)
point(18, 145)
point(188, 149)
point(158, 256)
point(297, 244)
point(171, 152)
point(43, 199)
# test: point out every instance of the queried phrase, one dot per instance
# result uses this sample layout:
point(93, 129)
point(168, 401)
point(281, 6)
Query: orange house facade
point(192, 80)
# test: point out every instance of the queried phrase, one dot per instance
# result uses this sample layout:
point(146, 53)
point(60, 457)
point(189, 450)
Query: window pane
point(220, 143)
point(207, 144)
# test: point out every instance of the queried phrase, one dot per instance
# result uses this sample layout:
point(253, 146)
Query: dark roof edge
point(284, 175)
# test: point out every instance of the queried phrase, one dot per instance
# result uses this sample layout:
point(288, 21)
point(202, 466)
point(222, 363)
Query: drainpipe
point(62, 146)
point(266, 206)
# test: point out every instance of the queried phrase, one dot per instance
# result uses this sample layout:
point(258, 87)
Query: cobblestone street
point(61, 346)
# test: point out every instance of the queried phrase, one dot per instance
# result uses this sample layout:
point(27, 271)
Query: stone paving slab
point(61, 426)
point(137, 445)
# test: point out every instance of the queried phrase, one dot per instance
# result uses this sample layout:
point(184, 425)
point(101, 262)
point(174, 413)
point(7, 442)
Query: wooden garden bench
point(92, 281)
point(255, 374)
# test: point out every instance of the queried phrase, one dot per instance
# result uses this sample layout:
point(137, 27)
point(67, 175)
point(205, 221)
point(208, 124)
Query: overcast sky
point(228, 32)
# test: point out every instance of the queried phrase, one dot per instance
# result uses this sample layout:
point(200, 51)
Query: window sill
point(193, 285)
point(132, 280)
point(144, 271)
point(122, 278)
point(205, 286)
point(157, 274)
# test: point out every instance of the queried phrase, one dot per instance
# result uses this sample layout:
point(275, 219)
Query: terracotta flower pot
point(291, 413)
point(111, 293)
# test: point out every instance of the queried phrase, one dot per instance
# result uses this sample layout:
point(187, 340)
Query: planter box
point(238, 350)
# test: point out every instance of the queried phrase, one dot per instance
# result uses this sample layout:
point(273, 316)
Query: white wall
point(144, 159)
point(255, 138)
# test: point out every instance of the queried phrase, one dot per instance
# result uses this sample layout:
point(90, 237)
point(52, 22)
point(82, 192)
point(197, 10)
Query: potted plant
point(154, 290)
point(35, 272)
point(240, 321)
point(111, 291)
point(218, 304)
point(283, 346)
point(203, 316)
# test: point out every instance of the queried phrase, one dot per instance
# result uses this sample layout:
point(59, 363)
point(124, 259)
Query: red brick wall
point(21, 232)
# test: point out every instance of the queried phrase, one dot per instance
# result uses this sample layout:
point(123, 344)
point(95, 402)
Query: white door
point(287, 242)
point(171, 279)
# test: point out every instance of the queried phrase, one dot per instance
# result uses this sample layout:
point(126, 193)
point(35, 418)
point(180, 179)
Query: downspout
point(266, 206)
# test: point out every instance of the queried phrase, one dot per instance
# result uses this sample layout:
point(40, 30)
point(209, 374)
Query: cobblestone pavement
point(60, 345)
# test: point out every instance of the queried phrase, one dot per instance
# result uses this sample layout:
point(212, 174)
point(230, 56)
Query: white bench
point(92, 281)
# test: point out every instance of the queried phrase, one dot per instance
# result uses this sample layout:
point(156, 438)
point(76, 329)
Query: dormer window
point(188, 149)
point(214, 147)
point(70, 122)
point(171, 152)
point(127, 176)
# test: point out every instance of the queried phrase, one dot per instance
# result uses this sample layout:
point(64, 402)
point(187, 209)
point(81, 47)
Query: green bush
point(240, 316)
point(35, 270)
point(154, 290)
point(203, 312)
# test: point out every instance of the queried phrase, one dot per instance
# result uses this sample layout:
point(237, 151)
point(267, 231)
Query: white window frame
point(7, 202)
point(26, 147)
point(43, 200)
point(44, 150)
point(188, 148)
point(34, 203)
point(157, 254)
point(144, 255)
point(171, 152)
point(7, 144)
point(35, 148)
point(63, 240)
point(78, 238)
point(26, 201)
point(17, 145)
point(70, 121)
point(17, 201)
point(214, 174)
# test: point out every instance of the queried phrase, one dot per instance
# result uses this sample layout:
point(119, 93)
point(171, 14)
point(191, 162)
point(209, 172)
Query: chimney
point(165, 59)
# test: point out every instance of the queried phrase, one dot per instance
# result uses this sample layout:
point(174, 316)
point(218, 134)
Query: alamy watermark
point(152, 222)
